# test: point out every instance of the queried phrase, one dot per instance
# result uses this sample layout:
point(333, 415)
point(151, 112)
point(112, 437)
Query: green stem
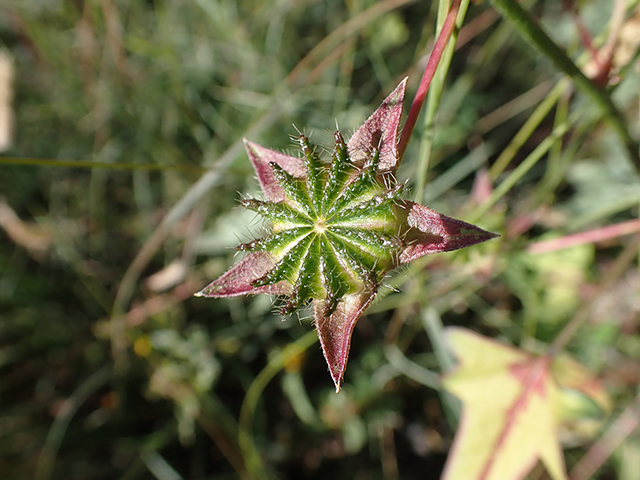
point(527, 129)
point(252, 458)
point(526, 165)
point(44, 467)
point(435, 94)
point(432, 324)
point(528, 28)
point(427, 77)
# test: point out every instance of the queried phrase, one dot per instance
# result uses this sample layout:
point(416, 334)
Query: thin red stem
point(429, 72)
point(591, 236)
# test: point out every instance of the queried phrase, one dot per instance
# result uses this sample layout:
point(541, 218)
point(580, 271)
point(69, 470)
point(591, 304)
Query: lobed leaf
point(509, 415)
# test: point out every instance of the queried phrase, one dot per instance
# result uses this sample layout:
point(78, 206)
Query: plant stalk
point(528, 28)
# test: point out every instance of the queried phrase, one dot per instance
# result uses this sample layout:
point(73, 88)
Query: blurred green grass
point(105, 373)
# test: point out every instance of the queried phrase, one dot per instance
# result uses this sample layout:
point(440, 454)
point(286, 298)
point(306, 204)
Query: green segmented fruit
point(334, 233)
point(337, 228)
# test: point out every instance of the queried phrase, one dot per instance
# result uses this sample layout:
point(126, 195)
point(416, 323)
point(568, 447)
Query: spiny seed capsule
point(334, 233)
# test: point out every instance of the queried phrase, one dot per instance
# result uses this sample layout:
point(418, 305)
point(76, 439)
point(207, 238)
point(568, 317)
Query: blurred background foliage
point(119, 199)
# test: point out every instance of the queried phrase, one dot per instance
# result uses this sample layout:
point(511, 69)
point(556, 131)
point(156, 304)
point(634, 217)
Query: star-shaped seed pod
point(336, 229)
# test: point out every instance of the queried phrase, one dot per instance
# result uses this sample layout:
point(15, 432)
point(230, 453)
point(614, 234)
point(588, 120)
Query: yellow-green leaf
point(509, 418)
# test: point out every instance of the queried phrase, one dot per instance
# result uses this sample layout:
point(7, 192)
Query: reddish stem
point(429, 72)
point(591, 236)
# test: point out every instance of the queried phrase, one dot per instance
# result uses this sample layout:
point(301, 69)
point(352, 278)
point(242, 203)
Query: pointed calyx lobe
point(336, 229)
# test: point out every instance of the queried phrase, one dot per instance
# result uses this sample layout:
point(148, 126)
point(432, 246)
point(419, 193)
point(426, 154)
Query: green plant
point(119, 201)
